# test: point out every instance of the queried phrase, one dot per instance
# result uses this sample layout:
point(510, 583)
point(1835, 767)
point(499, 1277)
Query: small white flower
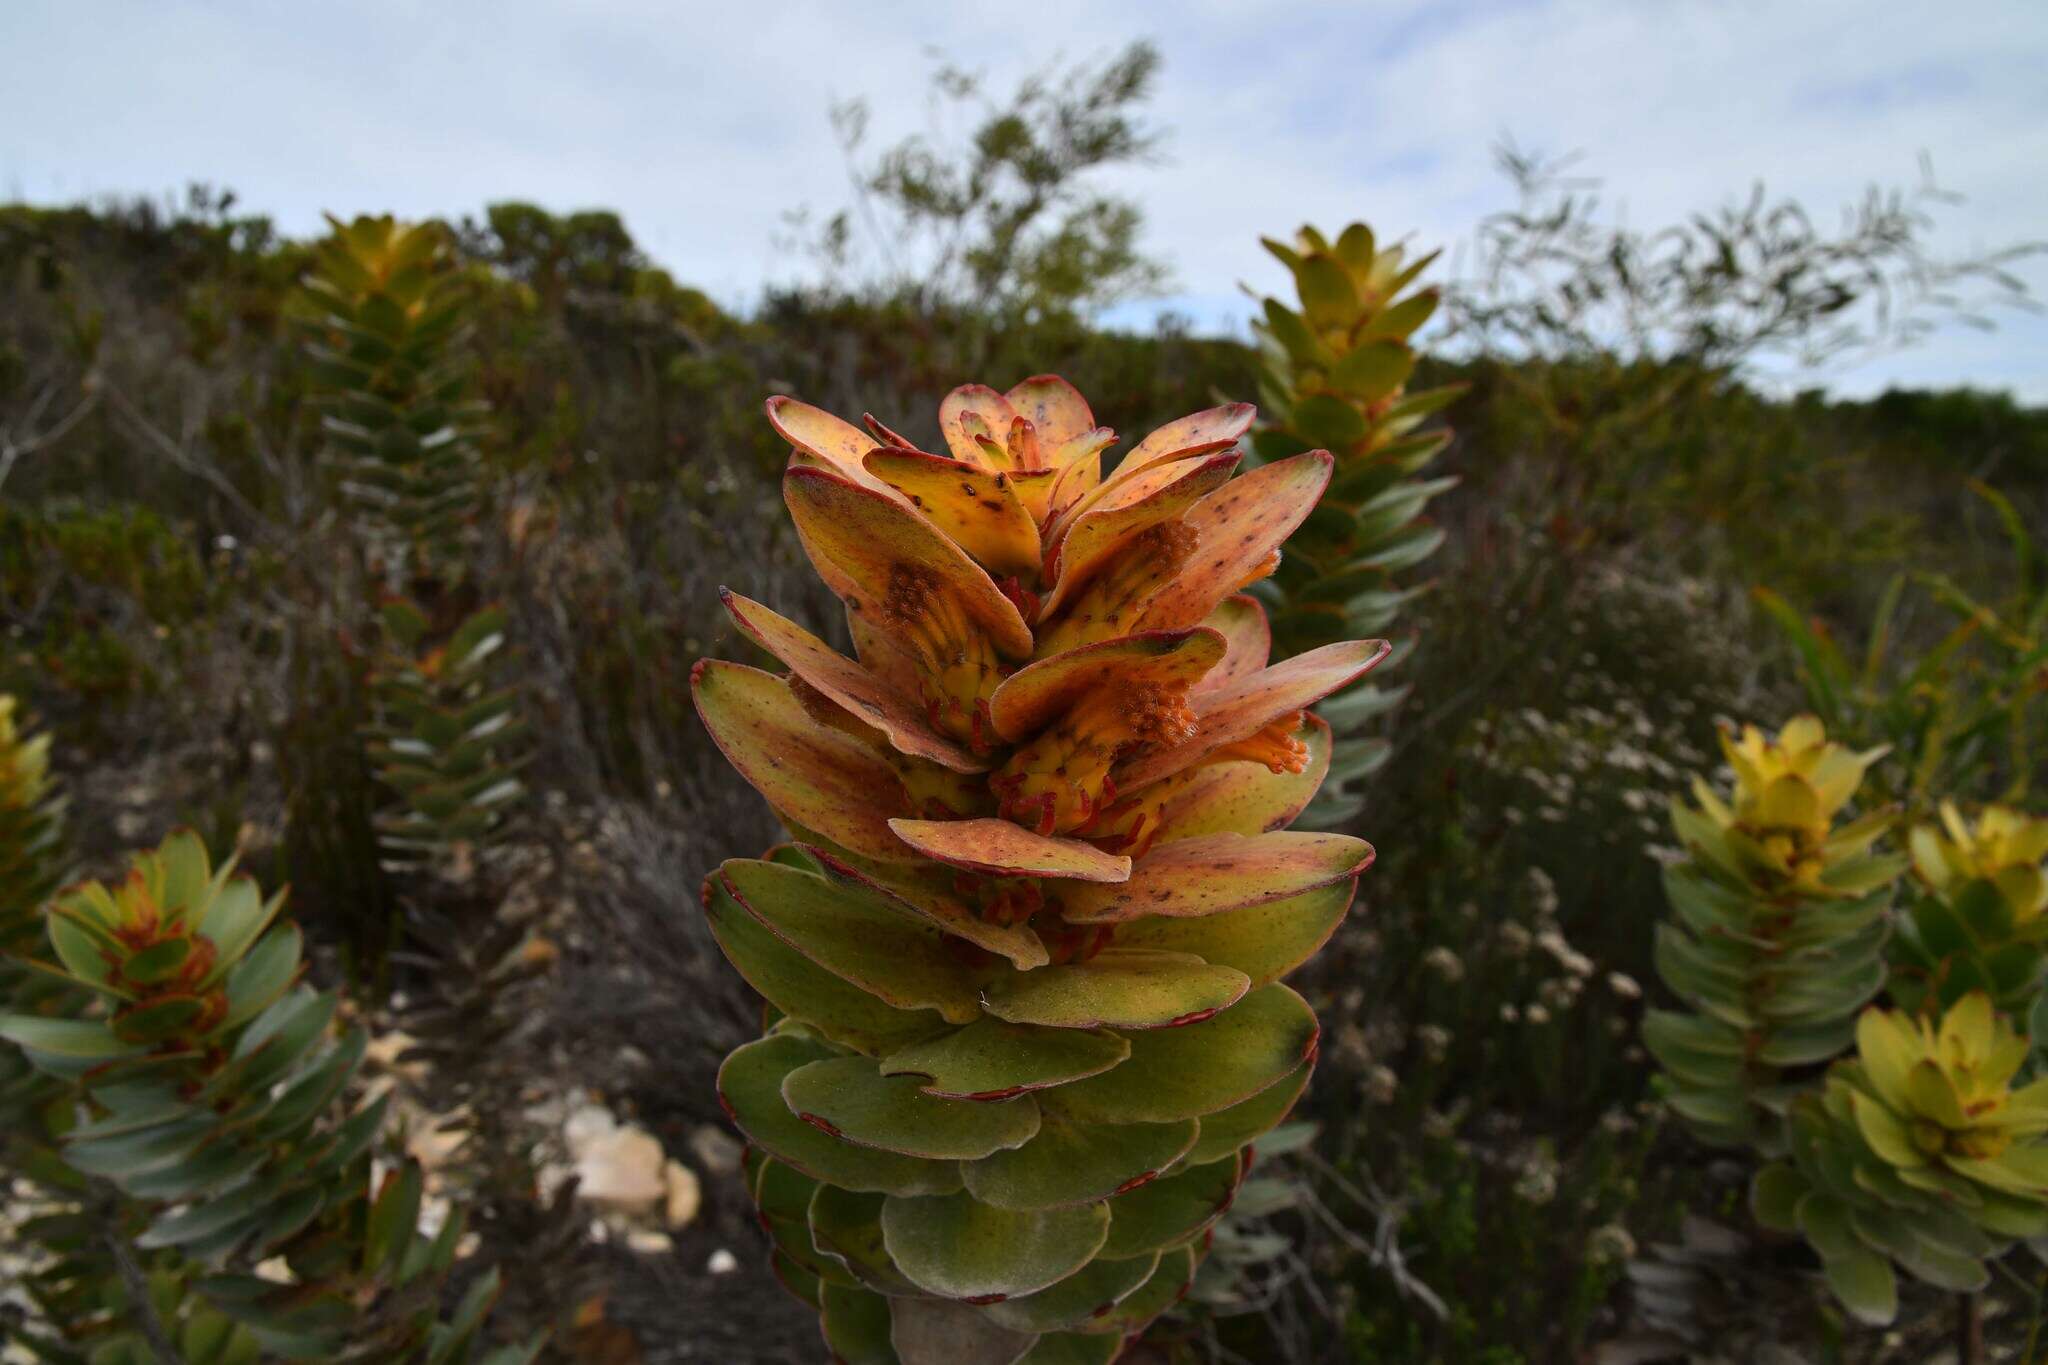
point(1610, 1243)
point(1624, 985)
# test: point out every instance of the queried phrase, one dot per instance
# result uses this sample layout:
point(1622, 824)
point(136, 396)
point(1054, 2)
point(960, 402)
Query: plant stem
point(141, 1307)
point(1969, 1331)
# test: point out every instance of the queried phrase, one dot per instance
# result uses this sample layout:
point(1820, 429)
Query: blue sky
point(702, 124)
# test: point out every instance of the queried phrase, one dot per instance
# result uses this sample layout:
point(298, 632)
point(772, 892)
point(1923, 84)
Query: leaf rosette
point(1023, 954)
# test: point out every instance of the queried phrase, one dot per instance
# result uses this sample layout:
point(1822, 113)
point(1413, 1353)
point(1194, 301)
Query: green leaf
point(848, 1098)
point(1265, 942)
point(1166, 1287)
point(957, 1247)
point(65, 1037)
point(1119, 989)
point(1327, 295)
point(1079, 1298)
point(1070, 1162)
point(1329, 422)
point(847, 1226)
point(1804, 1044)
point(235, 919)
point(1187, 1072)
point(1173, 1209)
point(933, 1332)
point(142, 1150)
point(750, 1088)
point(990, 1059)
point(394, 1217)
point(157, 962)
point(1228, 1130)
point(1774, 1196)
point(199, 1220)
point(1302, 346)
point(158, 1020)
point(264, 974)
point(1373, 370)
point(856, 1326)
point(1406, 317)
point(1863, 1282)
point(1073, 1348)
point(803, 990)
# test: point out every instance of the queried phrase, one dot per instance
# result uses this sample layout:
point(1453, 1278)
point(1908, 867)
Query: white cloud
point(702, 124)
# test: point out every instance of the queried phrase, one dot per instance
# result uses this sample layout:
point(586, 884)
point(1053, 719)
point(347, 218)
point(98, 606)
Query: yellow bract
point(1778, 820)
point(24, 765)
point(1019, 611)
point(1941, 1095)
point(2006, 848)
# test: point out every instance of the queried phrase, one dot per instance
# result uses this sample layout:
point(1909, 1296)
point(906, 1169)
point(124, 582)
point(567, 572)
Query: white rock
point(585, 1125)
point(622, 1171)
point(685, 1196)
point(722, 1262)
point(715, 1149)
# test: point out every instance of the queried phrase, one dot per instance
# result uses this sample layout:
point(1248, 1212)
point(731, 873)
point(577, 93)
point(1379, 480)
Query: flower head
point(1937, 1098)
point(1055, 667)
point(1777, 827)
point(2005, 847)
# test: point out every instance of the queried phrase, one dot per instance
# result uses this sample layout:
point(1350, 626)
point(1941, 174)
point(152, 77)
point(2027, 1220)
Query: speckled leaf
point(881, 654)
point(1247, 640)
point(857, 936)
point(1172, 1209)
point(1086, 1294)
point(1078, 1163)
point(750, 1089)
point(856, 1326)
point(931, 894)
point(1053, 406)
point(1105, 523)
point(957, 1247)
point(1243, 797)
point(1219, 872)
point(1169, 1283)
point(1039, 694)
point(1005, 849)
point(935, 1332)
point(990, 1059)
point(969, 409)
point(849, 1098)
point(811, 773)
point(1265, 942)
point(1180, 1073)
point(1240, 525)
point(876, 702)
point(1246, 1121)
point(830, 441)
point(1242, 709)
point(977, 507)
point(877, 544)
point(798, 987)
point(1225, 423)
point(847, 1226)
point(1117, 989)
